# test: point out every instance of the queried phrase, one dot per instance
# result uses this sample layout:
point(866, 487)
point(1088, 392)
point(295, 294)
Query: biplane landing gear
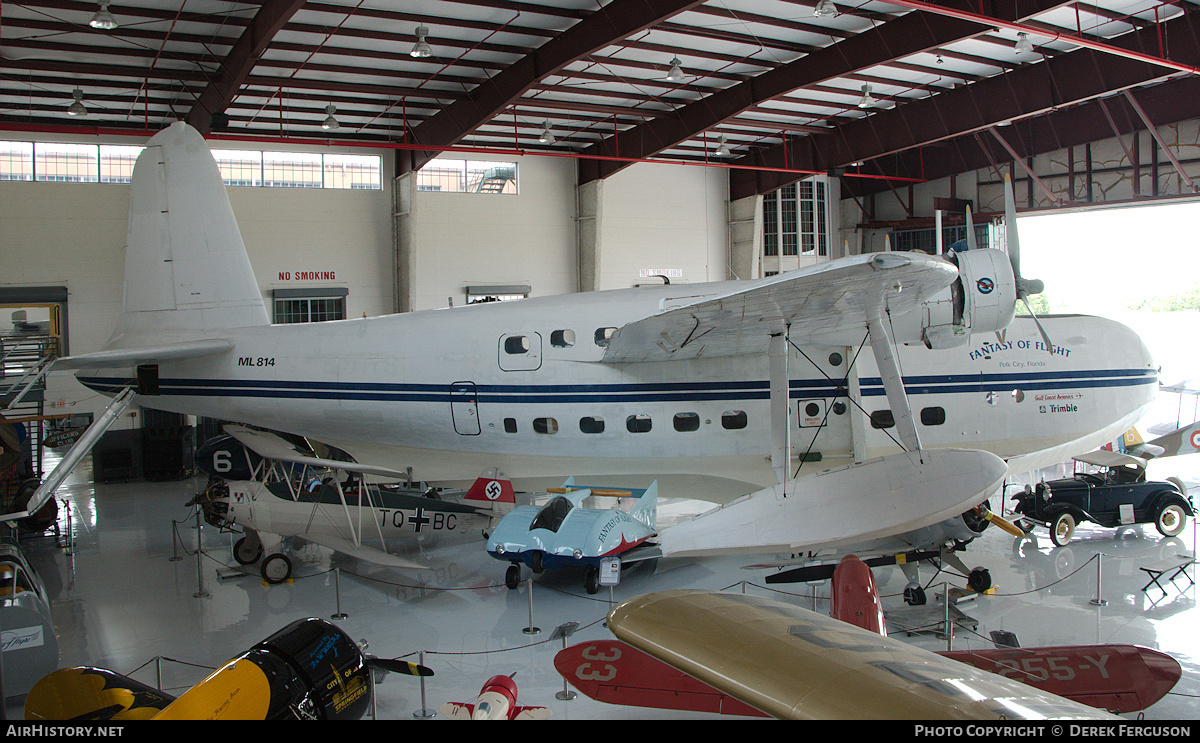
point(914, 595)
point(979, 580)
point(276, 569)
point(512, 576)
point(247, 550)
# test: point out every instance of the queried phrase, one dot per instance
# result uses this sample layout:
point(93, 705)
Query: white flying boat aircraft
point(833, 365)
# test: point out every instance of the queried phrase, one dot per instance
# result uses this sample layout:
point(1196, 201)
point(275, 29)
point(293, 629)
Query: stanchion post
point(424, 713)
point(946, 608)
point(531, 630)
point(1098, 601)
point(200, 592)
point(337, 592)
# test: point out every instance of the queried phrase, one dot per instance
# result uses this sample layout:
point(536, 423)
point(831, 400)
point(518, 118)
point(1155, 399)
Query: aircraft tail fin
point(186, 267)
point(646, 509)
point(492, 487)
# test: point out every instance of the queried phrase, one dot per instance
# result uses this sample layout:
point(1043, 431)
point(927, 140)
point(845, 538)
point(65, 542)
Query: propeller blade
point(1004, 524)
point(399, 666)
point(970, 232)
point(1010, 228)
point(1042, 330)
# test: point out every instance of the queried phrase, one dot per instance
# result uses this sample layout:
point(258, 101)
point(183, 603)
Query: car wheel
point(1062, 529)
point(276, 569)
point(247, 551)
point(512, 576)
point(1170, 520)
point(1025, 525)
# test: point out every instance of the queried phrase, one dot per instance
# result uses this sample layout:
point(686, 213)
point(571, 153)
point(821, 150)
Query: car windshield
point(552, 514)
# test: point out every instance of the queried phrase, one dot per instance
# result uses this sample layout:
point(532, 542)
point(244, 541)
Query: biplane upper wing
point(270, 446)
point(827, 303)
point(793, 663)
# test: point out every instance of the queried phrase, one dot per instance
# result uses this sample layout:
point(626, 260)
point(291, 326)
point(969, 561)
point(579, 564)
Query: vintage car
point(1115, 494)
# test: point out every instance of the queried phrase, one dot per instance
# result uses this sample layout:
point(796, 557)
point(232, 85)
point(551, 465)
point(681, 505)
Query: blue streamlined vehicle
point(1118, 494)
point(563, 533)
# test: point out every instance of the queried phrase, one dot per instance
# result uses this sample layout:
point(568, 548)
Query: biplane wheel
point(591, 580)
point(535, 561)
point(512, 576)
point(247, 551)
point(914, 596)
point(1062, 529)
point(276, 569)
point(979, 580)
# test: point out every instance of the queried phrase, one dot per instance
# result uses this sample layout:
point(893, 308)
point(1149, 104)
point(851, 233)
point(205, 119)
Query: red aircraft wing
point(611, 671)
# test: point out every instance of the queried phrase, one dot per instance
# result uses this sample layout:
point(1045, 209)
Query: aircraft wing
point(363, 552)
point(145, 354)
point(827, 303)
point(797, 664)
point(270, 446)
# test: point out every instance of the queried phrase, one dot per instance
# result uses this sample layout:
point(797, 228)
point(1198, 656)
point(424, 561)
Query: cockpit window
point(552, 514)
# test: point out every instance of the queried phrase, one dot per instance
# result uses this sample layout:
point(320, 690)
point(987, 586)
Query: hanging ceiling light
point(675, 75)
point(867, 100)
point(102, 19)
point(77, 108)
point(825, 7)
point(1023, 45)
point(547, 136)
point(421, 49)
point(330, 122)
point(722, 148)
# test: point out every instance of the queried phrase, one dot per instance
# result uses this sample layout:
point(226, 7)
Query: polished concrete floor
point(132, 594)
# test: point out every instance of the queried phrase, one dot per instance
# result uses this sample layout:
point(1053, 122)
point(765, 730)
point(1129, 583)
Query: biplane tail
point(492, 488)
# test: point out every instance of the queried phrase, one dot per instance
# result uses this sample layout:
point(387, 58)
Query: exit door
point(464, 408)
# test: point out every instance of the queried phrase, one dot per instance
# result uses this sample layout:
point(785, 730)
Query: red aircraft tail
point(492, 487)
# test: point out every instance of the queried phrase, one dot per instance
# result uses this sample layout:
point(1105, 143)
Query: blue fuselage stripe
point(612, 393)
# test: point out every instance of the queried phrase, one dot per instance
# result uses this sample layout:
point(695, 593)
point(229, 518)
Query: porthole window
point(591, 424)
point(604, 335)
point(835, 359)
point(638, 424)
point(933, 416)
point(545, 425)
point(516, 344)
point(839, 408)
point(733, 420)
point(687, 422)
point(562, 338)
point(510, 425)
point(812, 410)
point(882, 419)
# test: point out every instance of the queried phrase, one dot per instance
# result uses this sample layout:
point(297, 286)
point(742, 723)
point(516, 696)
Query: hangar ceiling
point(886, 93)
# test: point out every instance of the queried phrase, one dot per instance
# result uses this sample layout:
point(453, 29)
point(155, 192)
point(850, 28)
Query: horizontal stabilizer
point(852, 504)
point(119, 357)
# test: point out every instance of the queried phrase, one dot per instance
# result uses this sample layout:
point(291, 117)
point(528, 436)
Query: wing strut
point(893, 384)
point(77, 451)
point(781, 430)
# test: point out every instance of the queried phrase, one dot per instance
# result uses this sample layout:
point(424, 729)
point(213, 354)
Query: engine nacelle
point(982, 300)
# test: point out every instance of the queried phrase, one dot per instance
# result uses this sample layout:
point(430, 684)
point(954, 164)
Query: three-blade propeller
point(1025, 287)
